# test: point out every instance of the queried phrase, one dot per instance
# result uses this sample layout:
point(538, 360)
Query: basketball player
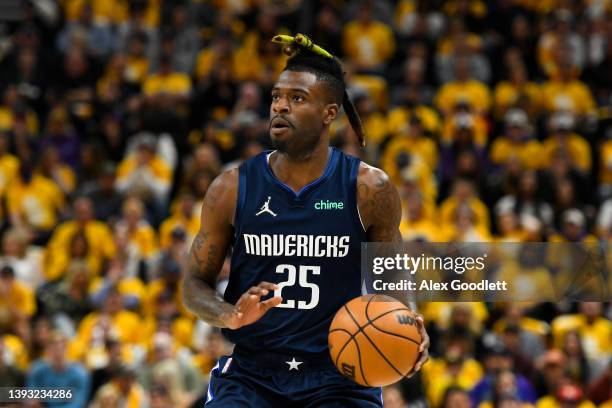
point(295, 218)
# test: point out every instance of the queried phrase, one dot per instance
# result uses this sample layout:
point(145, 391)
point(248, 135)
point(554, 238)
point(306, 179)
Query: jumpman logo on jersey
point(266, 208)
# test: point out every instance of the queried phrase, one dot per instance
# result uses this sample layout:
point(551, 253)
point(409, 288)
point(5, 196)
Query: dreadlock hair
point(328, 70)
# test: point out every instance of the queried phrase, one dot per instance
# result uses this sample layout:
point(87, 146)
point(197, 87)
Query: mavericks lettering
point(317, 246)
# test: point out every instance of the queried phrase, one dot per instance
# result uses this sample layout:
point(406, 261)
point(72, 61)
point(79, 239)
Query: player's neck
point(297, 172)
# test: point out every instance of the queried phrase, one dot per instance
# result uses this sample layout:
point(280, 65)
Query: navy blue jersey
point(308, 243)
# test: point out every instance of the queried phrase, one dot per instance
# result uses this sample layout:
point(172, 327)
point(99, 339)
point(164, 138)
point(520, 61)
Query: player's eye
point(275, 97)
point(298, 98)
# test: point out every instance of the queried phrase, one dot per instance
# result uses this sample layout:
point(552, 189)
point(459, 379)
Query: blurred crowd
point(493, 119)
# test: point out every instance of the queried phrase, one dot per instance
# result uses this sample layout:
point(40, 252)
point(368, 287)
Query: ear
point(330, 113)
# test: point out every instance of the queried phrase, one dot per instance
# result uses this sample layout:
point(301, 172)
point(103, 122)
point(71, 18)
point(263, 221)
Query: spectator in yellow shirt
point(17, 304)
point(465, 227)
point(136, 62)
point(595, 330)
point(184, 217)
point(567, 93)
point(411, 141)
point(410, 104)
point(562, 138)
point(517, 91)
point(464, 192)
point(463, 87)
point(508, 227)
point(111, 322)
point(418, 221)
point(97, 234)
point(122, 391)
point(455, 369)
point(144, 174)
point(77, 251)
point(132, 229)
point(561, 39)
point(34, 203)
point(9, 166)
point(168, 319)
point(605, 168)
point(368, 44)
point(464, 118)
point(169, 281)
point(167, 87)
point(517, 143)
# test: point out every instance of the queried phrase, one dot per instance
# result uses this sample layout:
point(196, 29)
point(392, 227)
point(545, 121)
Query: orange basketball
point(374, 340)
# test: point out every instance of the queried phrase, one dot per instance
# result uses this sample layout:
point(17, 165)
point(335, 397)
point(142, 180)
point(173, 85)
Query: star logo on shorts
point(293, 365)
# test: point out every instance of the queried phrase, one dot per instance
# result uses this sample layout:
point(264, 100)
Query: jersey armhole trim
point(359, 212)
point(354, 177)
point(241, 199)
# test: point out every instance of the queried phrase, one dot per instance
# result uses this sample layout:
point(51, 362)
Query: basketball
point(374, 340)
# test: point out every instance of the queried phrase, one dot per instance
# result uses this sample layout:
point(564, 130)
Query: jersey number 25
point(302, 277)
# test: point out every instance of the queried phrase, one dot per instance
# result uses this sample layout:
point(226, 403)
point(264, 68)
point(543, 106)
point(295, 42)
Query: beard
point(280, 145)
point(298, 145)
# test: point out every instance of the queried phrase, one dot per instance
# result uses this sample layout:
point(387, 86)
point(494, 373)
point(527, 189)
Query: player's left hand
point(423, 348)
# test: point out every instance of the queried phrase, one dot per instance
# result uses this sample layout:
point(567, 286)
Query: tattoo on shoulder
point(381, 202)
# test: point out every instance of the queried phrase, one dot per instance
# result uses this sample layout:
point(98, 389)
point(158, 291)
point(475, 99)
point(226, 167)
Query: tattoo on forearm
point(200, 294)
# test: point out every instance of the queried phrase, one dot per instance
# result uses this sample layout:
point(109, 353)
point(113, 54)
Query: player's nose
point(280, 105)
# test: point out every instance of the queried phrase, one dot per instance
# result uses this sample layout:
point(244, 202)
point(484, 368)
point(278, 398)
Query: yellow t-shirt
point(154, 289)
point(157, 166)
point(448, 207)
point(7, 120)
point(595, 337)
point(37, 203)
point(21, 298)
point(476, 93)
point(98, 234)
point(446, 45)
point(577, 148)
point(175, 83)
point(126, 326)
point(574, 96)
point(476, 8)
point(182, 331)
point(397, 119)
point(506, 94)
point(424, 228)
point(535, 326)
point(438, 378)
point(423, 147)
point(440, 312)
point(15, 351)
point(57, 265)
point(9, 168)
point(528, 153)
point(480, 132)
point(420, 174)
point(375, 86)
point(527, 283)
point(368, 46)
point(144, 240)
point(136, 69)
point(126, 286)
point(191, 226)
point(550, 402)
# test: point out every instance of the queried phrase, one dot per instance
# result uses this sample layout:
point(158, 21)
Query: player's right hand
point(250, 308)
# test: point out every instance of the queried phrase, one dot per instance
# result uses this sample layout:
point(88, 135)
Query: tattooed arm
point(206, 258)
point(381, 212)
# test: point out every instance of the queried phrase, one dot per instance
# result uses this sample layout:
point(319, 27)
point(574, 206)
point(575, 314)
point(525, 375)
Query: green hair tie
point(302, 41)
